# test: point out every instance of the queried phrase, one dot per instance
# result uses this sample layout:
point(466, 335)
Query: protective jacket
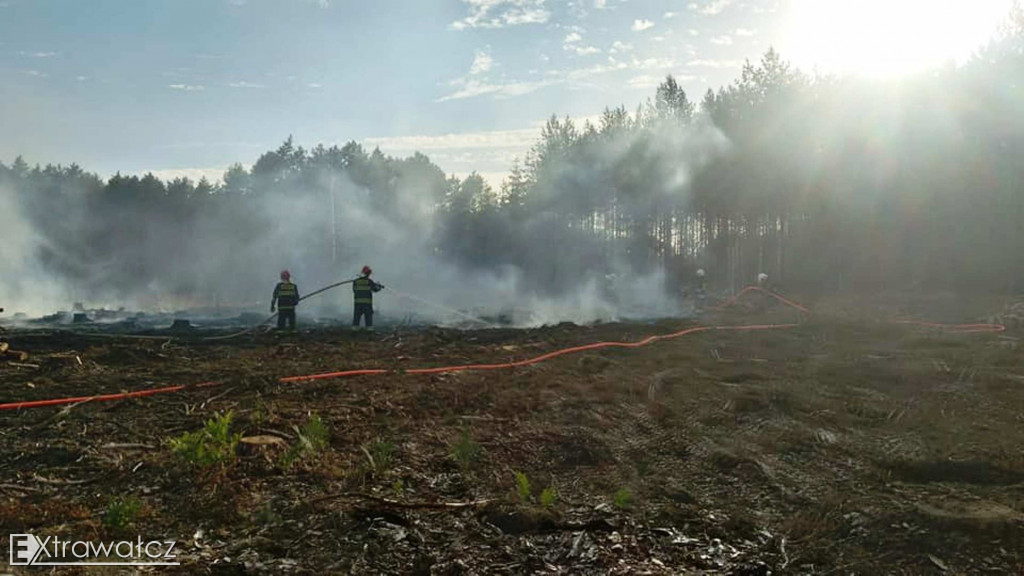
point(363, 289)
point(286, 295)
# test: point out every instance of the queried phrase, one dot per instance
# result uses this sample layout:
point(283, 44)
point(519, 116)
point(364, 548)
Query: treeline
point(209, 241)
point(824, 184)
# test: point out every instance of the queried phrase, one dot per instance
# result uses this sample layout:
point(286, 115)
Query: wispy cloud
point(745, 32)
point(502, 13)
point(704, 63)
point(651, 80)
point(482, 62)
point(710, 8)
point(600, 4)
point(618, 47)
point(644, 81)
point(37, 54)
point(477, 82)
point(613, 65)
point(571, 43)
point(35, 73)
point(244, 84)
point(187, 87)
point(694, 32)
point(669, 15)
point(81, 78)
point(641, 25)
point(723, 40)
point(471, 87)
point(466, 140)
point(314, 85)
point(651, 63)
point(769, 7)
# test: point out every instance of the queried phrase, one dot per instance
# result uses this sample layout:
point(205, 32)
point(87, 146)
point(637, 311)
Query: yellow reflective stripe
point(364, 301)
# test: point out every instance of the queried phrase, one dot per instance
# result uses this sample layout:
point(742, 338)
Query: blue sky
point(190, 86)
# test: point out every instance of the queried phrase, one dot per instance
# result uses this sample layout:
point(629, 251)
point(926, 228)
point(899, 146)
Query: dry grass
point(831, 436)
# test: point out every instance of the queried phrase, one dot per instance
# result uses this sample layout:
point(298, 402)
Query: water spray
point(442, 307)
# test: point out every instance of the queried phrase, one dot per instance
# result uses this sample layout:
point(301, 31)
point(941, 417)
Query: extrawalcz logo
point(30, 550)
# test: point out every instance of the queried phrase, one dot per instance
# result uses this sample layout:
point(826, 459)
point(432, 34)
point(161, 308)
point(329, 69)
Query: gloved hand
point(381, 286)
point(272, 310)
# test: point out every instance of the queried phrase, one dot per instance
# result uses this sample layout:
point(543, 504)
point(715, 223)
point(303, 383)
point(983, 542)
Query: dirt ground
point(846, 445)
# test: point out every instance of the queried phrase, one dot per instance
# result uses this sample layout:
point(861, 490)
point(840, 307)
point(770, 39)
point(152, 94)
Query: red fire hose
point(955, 328)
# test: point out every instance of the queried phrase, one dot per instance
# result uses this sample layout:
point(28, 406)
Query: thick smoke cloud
point(24, 283)
point(146, 245)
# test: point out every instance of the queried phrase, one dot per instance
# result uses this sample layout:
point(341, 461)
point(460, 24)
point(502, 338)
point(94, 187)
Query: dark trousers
point(286, 316)
point(363, 311)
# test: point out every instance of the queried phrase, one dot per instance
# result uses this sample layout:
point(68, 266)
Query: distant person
point(363, 289)
point(762, 299)
point(608, 288)
point(700, 290)
point(286, 298)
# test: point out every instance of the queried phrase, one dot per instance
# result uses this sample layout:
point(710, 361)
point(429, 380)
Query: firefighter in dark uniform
point(700, 290)
point(286, 297)
point(363, 289)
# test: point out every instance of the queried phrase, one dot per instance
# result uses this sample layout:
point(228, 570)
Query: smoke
point(24, 284)
point(157, 250)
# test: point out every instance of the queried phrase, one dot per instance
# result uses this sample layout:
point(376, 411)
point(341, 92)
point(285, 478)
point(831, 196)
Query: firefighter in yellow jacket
point(286, 297)
point(363, 289)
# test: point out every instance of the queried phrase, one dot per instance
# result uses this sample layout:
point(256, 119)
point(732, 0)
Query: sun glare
point(886, 38)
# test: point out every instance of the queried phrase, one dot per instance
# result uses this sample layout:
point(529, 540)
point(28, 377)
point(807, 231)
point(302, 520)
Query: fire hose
point(207, 338)
point(955, 328)
point(272, 316)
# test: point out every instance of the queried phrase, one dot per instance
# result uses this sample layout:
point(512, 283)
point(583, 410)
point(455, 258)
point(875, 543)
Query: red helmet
point(285, 275)
point(367, 271)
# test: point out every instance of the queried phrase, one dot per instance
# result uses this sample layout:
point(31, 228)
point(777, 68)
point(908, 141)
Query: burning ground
point(839, 446)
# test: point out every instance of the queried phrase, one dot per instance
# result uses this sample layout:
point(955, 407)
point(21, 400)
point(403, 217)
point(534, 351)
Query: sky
point(188, 87)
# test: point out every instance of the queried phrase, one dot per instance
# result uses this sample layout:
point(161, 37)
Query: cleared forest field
point(845, 445)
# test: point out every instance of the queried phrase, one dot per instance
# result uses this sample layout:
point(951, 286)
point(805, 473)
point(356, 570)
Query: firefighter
point(363, 289)
point(700, 290)
point(286, 297)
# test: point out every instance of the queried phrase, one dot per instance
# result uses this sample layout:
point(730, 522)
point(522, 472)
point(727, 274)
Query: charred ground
point(840, 446)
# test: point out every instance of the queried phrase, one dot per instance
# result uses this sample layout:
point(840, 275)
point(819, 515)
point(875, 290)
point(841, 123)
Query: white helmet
point(762, 278)
point(700, 272)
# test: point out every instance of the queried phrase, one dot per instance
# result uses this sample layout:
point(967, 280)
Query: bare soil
point(842, 446)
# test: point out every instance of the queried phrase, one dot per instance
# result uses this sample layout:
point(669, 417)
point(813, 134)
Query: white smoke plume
point(228, 255)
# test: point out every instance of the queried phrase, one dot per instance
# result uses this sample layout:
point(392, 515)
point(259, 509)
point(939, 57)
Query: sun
point(887, 38)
